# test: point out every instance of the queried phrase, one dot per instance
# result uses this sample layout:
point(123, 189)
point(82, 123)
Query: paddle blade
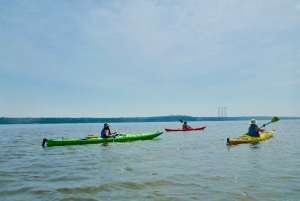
point(275, 119)
point(180, 120)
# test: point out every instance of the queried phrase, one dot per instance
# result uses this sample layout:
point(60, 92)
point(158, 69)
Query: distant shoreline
point(176, 118)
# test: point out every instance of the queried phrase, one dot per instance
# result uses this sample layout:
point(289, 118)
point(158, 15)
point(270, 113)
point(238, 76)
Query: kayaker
point(105, 133)
point(185, 126)
point(254, 129)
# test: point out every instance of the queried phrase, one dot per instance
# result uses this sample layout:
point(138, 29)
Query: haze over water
point(174, 166)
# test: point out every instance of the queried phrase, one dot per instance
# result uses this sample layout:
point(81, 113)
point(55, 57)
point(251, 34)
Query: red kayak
point(189, 129)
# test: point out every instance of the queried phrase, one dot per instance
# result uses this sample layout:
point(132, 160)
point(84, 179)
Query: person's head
point(185, 122)
point(253, 122)
point(106, 125)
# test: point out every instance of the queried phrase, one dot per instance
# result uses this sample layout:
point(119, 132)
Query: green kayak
point(88, 140)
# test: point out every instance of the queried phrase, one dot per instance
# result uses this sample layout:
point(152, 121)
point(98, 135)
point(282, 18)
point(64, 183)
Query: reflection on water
point(175, 166)
point(255, 145)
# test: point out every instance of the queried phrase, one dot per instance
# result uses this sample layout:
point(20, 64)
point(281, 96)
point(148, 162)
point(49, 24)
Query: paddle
point(275, 119)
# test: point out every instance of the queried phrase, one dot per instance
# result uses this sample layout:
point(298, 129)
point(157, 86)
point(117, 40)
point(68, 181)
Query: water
point(175, 166)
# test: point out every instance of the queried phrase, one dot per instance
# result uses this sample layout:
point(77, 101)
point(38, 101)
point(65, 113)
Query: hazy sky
point(149, 58)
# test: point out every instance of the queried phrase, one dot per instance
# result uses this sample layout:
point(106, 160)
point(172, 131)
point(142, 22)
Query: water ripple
point(176, 166)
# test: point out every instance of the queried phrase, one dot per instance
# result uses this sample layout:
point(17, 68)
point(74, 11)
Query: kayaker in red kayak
point(185, 126)
point(254, 129)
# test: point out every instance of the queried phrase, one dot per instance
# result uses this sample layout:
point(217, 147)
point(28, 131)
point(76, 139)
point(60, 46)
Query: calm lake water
point(194, 165)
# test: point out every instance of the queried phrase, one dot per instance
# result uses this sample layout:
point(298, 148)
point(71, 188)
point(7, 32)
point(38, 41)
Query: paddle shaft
point(275, 119)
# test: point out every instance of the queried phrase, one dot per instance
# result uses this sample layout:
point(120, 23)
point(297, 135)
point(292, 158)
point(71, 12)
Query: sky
point(145, 58)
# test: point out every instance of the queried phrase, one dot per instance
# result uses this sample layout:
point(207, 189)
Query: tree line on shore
point(173, 118)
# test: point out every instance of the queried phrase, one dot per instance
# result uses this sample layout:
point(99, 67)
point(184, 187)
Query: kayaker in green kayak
point(105, 132)
point(254, 129)
point(185, 126)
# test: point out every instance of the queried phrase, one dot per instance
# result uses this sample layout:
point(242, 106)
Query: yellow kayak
point(245, 138)
point(92, 136)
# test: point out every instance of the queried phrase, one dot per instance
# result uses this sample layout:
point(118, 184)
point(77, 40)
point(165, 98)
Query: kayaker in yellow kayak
point(254, 129)
point(185, 126)
point(105, 133)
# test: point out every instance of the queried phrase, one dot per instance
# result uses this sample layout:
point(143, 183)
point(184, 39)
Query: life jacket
point(252, 132)
point(103, 133)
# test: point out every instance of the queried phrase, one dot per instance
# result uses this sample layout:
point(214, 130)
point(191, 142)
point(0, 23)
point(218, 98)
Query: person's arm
point(262, 129)
point(107, 133)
